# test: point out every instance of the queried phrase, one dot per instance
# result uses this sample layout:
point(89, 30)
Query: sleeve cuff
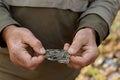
point(3, 24)
point(96, 23)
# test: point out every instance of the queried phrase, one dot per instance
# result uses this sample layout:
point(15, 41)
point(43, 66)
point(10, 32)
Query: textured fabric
point(106, 9)
point(96, 23)
point(75, 5)
point(53, 27)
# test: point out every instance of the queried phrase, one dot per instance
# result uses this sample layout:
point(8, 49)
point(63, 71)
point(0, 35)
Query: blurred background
point(107, 66)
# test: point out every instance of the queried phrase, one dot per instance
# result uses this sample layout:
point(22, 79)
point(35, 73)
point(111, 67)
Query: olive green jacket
point(105, 9)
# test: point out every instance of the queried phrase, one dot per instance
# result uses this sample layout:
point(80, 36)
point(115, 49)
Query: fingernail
point(71, 50)
point(42, 50)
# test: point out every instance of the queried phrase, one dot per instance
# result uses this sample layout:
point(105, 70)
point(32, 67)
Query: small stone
point(82, 77)
point(109, 55)
point(105, 66)
point(110, 70)
point(114, 76)
point(110, 66)
point(119, 69)
point(116, 60)
point(117, 54)
point(111, 62)
point(99, 62)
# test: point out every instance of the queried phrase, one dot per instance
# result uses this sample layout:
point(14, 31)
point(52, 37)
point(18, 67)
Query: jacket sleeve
point(99, 16)
point(5, 19)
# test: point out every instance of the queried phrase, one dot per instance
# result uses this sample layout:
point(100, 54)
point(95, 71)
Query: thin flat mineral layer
point(58, 55)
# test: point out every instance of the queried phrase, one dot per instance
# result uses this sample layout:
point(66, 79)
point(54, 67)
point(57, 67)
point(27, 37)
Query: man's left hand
point(83, 50)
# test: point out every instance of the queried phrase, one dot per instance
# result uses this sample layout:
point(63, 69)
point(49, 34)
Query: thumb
point(75, 46)
point(35, 44)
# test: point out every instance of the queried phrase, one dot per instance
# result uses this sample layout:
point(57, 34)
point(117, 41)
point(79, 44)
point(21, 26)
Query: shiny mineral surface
point(58, 55)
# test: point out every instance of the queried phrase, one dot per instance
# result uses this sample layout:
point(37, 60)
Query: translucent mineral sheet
point(58, 55)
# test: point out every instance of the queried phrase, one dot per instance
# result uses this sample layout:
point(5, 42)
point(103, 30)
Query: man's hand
point(17, 40)
point(83, 50)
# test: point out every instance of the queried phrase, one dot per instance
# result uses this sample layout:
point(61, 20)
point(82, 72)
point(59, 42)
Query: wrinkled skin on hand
point(83, 50)
point(17, 40)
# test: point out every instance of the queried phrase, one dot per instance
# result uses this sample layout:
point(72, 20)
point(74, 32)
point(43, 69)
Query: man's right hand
point(17, 40)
